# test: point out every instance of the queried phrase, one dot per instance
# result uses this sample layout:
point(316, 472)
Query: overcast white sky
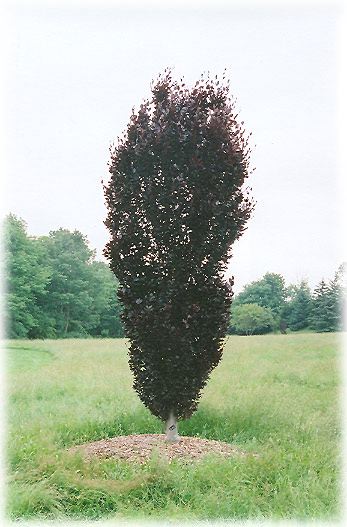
point(73, 75)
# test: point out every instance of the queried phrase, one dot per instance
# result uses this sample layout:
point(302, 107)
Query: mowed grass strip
point(277, 395)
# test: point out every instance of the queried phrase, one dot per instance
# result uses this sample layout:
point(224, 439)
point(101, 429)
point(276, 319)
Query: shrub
point(250, 319)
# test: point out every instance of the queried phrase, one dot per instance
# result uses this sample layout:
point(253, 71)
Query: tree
point(319, 318)
point(337, 297)
point(27, 275)
point(176, 204)
point(104, 286)
point(298, 310)
point(55, 288)
point(250, 319)
point(327, 308)
point(268, 292)
point(69, 299)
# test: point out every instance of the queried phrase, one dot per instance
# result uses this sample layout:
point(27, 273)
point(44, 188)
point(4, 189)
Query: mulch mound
point(140, 447)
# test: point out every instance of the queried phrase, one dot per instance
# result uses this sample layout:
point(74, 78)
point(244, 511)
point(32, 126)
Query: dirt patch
point(140, 448)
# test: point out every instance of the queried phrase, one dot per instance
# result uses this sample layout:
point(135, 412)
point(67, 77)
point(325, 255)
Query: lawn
point(276, 395)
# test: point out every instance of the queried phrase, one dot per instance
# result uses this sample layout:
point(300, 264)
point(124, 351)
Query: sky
point(72, 75)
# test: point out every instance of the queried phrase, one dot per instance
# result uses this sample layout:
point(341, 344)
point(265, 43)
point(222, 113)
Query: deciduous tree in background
point(55, 289)
point(269, 291)
point(176, 204)
point(250, 319)
point(106, 307)
point(68, 255)
point(27, 275)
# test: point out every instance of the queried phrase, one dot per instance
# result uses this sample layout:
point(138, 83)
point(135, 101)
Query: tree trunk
point(171, 429)
point(67, 321)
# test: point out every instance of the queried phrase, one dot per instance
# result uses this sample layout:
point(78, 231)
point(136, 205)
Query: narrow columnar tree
point(176, 203)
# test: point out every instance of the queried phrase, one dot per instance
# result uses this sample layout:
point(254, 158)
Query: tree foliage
point(297, 311)
point(294, 306)
point(26, 278)
point(55, 288)
point(251, 319)
point(327, 305)
point(106, 308)
point(269, 292)
point(47, 277)
point(175, 206)
point(68, 255)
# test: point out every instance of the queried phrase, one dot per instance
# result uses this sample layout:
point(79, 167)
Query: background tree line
point(269, 305)
point(56, 289)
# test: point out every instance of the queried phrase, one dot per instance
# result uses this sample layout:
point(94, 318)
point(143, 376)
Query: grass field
point(277, 395)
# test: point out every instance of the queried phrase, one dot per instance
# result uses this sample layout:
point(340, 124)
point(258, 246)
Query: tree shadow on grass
point(239, 426)
point(138, 422)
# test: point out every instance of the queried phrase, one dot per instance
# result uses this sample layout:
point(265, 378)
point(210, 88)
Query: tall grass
point(276, 395)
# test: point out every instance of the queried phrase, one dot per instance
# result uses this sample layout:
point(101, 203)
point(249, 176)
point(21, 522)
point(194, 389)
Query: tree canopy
point(55, 288)
point(37, 297)
point(27, 276)
point(269, 292)
point(297, 311)
point(327, 304)
point(295, 306)
point(176, 204)
point(250, 319)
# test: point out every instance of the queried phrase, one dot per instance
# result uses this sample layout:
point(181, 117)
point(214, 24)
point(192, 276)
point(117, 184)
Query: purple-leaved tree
point(176, 203)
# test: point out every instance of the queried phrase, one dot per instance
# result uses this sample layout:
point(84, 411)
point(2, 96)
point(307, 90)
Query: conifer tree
point(327, 307)
point(319, 307)
point(299, 308)
point(176, 204)
point(336, 295)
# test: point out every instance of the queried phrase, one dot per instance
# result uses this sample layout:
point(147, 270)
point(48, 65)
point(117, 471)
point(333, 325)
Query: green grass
point(277, 395)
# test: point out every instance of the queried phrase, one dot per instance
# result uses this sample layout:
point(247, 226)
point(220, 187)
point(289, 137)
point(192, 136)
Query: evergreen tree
point(298, 310)
point(328, 300)
point(337, 296)
point(175, 206)
point(323, 313)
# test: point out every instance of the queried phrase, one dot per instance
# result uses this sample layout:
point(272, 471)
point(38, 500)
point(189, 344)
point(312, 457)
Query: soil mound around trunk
point(141, 447)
